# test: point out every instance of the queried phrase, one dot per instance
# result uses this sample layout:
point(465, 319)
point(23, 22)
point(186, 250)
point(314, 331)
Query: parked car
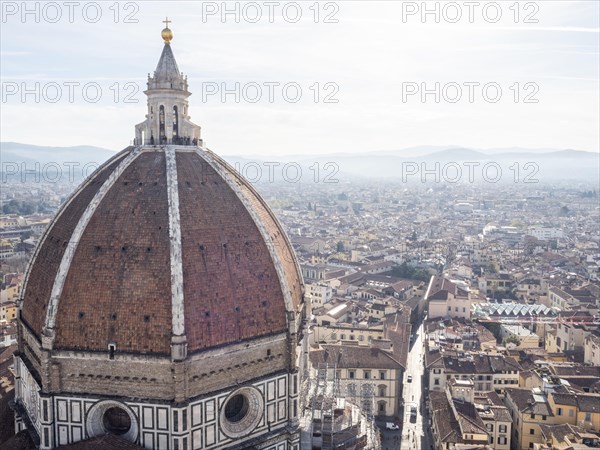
point(391, 426)
point(413, 412)
point(409, 379)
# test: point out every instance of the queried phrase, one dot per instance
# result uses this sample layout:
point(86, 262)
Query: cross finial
point(166, 33)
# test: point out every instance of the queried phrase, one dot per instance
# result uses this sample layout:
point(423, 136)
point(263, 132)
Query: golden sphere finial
point(166, 33)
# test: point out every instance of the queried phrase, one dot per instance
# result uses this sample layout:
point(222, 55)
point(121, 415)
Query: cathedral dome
point(164, 303)
point(161, 246)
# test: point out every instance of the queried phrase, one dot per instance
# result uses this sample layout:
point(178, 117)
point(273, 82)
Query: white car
point(391, 426)
point(409, 379)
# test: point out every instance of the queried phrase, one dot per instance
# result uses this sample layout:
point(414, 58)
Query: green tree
point(492, 267)
point(25, 235)
point(512, 340)
point(22, 208)
point(405, 270)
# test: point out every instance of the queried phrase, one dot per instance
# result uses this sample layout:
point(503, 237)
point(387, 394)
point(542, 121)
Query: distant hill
point(15, 152)
point(515, 163)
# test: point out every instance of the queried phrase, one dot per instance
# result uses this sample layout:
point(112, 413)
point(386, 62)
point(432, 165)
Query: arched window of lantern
point(175, 122)
point(161, 123)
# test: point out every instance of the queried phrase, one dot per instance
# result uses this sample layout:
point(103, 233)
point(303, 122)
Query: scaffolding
point(335, 415)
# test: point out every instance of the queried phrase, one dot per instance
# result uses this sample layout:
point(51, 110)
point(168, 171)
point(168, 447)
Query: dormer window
point(112, 348)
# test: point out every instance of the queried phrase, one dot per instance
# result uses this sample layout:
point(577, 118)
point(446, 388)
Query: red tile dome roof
point(161, 242)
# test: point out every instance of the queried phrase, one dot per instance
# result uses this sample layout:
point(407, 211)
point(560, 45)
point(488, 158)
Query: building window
point(532, 416)
point(116, 421)
point(112, 348)
point(175, 122)
point(367, 374)
point(588, 417)
point(502, 440)
point(502, 428)
point(161, 124)
point(531, 431)
point(382, 375)
point(436, 381)
point(543, 417)
point(237, 408)
point(570, 413)
point(351, 374)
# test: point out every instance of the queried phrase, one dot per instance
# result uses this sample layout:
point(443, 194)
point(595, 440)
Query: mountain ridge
point(552, 164)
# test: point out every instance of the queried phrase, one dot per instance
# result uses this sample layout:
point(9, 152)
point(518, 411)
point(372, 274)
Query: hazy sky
point(374, 58)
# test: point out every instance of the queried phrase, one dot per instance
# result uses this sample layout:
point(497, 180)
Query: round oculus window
point(241, 412)
point(116, 421)
point(111, 417)
point(236, 408)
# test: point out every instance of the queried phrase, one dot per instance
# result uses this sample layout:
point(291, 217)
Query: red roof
point(118, 285)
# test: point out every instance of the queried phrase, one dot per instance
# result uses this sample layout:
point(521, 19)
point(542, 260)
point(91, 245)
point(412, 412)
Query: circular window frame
point(94, 422)
point(251, 419)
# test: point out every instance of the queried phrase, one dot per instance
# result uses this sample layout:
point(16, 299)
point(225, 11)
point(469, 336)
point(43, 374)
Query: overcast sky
point(527, 78)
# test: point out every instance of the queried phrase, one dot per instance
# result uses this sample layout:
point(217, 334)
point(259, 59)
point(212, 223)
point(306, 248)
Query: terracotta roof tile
point(118, 285)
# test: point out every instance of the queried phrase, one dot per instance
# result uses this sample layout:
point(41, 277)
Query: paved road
point(414, 431)
point(414, 434)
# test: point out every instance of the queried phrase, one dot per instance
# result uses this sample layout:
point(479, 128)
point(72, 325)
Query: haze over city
point(300, 226)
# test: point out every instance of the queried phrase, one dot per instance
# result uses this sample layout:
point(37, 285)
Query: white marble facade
point(200, 424)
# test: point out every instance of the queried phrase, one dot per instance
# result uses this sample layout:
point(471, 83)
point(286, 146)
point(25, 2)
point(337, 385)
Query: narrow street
point(414, 429)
